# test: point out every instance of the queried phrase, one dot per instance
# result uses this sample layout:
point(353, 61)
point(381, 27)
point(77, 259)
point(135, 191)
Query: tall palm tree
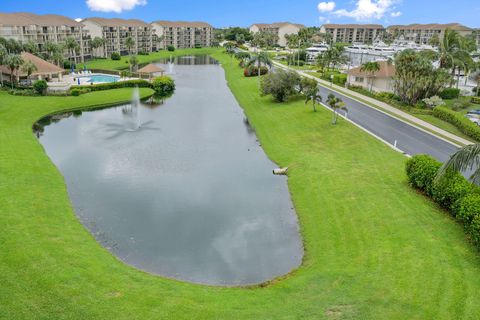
point(477, 79)
point(372, 68)
point(3, 56)
point(133, 63)
point(448, 46)
point(467, 158)
point(72, 46)
point(96, 43)
point(313, 94)
point(130, 44)
point(13, 62)
point(28, 67)
point(259, 59)
point(336, 104)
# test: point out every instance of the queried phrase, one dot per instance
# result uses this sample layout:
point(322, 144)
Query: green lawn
point(374, 248)
point(110, 64)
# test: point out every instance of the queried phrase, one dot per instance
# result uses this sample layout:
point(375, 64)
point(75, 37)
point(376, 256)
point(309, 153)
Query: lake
point(180, 189)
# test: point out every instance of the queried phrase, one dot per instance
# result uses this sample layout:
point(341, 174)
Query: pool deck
point(72, 80)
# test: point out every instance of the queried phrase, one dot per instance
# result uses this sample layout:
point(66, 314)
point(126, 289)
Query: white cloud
point(368, 9)
point(324, 20)
point(78, 19)
point(395, 14)
point(326, 6)
point(114, 5)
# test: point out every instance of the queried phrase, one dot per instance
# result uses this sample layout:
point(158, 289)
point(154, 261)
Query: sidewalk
point(384, 107)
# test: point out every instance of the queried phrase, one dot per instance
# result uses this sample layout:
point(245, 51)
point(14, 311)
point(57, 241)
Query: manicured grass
point(109, 64)
point(374, 248)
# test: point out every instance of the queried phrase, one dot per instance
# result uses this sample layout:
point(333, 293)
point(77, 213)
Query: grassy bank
point(110, 64)
point(374, 248)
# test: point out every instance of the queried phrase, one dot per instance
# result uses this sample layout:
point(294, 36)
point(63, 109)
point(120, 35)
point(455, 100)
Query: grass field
point(374, 249)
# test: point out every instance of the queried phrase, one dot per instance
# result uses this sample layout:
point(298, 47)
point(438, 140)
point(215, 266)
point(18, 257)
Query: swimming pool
point(102, 78)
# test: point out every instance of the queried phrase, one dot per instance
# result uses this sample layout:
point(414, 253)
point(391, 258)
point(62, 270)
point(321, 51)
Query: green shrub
point(449, 93)
point(67, 65)
point(23, 92)
point(171, 48)
point(252, 71)
point(421, 171)
point(114, 85)
point(338, 78)
point(467, 210)
point(451, 188)
point(475, 100)
point(163, 85)
point(458, 120)
point(115, 56)
point(78, 91)
point(40, 86)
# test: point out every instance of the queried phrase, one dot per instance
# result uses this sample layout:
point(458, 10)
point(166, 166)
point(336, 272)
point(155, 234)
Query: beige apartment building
point(350, 33)
point(422, 33)
point(117, 31)
point(39, 29)
point(280, 29)
point(182, 34)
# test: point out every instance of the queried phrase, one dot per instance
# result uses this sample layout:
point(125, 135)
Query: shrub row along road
point(410, 139)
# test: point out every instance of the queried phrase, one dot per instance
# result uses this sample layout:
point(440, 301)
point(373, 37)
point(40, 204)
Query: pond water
point(182, 189)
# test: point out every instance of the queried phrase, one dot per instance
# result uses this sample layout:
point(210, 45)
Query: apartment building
point(116, 32)
point(422, 33)
point(182, 34)
point(350, 33)
point(39, 29)
point(279, 29)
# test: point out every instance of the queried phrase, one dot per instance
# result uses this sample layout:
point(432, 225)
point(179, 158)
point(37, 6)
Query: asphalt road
point(409, 139)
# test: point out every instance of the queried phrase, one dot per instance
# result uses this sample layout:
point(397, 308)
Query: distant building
point(279, 29)
point(117, 31)
point(181, 34)
point(45, 70)
point(350, 33)
point(382, 79)
point(422, 33)
point(39, 29)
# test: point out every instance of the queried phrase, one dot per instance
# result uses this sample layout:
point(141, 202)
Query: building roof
point(352, 26)
point(116, 22)
point(387, 70)
point(180, 24)
point(151, 68)
point(277, 25)
point(430, 26)
point(43, 67)
point(29, 19)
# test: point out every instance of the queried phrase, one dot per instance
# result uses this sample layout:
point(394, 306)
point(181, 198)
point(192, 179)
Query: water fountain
point(131, 112)
point(171, 65)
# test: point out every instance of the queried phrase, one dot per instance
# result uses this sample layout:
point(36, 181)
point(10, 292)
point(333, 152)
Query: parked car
point(475, 111)
point(473, 117)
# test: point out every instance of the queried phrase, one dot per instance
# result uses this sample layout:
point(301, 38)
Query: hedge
point(458, 120)
point(453, 192)
point(338, 78)
point(113, 85)
point(252, 71)
point(449, 93)
point(475, 100)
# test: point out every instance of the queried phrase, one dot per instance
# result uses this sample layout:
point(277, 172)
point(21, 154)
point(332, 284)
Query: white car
point(474, 118)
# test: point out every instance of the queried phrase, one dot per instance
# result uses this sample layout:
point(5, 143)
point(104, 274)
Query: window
point(359, 79)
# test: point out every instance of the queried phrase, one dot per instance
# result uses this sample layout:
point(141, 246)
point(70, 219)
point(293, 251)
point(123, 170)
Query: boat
point(379, 48)
point(357, 48)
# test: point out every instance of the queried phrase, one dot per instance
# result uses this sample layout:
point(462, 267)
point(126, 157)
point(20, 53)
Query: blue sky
point(227, 13)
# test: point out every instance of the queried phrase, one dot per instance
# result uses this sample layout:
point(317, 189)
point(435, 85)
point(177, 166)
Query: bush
point(143, 53)
point(115, 56)
point(463, 124)
point(475, 100)
point(451, 188)
point(40, 86)
point(113, 85)
point(449, 93)
point(338, 78)
point(252, 71)
point(67, 65)
point(421, 171)
point(171, 48)
point(163, 85)
point(22, 92)
point(280, 84)
point(433, 102)
point(467, 210)
point(77, 91)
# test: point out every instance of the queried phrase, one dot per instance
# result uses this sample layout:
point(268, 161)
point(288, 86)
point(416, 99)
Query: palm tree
point(313, 94)
point(96, 43)
point(3, 56)
point(372, 68)
point(467, 158)
point(130, 44)
point(243, 57)
point(28, 67)
point(72, 46)
point(259, 59)
point(13, 62)
point(477, 79)
point(133, 63)
point(447, 48)
point(336, 104)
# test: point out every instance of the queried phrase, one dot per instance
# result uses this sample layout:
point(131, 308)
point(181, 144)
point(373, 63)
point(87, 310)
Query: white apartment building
point(39, 29)
point(422, 33)
point(280, 29)
point(182, 34)
point(117, 31)
point(351, 33)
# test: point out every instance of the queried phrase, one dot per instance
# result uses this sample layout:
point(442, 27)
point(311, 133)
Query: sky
point(224, 13)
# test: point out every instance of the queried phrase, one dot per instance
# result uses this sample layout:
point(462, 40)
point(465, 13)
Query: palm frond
point(464, 159)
